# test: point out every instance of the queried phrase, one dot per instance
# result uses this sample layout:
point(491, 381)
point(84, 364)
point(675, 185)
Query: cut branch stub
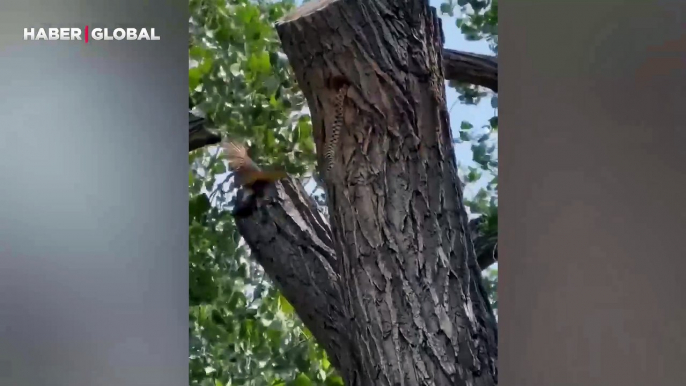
point(465, 67)
point(199, 135)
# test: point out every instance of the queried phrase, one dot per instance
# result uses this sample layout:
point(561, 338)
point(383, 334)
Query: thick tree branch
point(291, 240)
point(465, 67)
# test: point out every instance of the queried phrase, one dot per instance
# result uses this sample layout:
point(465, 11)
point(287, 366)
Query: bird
point(248, 176)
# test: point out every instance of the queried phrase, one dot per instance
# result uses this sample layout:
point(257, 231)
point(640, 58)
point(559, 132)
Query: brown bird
point(249, 176)
point(246, 173)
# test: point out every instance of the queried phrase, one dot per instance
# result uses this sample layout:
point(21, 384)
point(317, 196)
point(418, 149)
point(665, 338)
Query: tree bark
point(199, 135)
point(400, 302)
point(292, 242)
point(465, 67)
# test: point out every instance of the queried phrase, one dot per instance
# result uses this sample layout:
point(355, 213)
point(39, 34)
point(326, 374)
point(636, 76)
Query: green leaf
point(285, 306)
point(194, 78)
point(219, 168)
point(493, 122)
point(196, 53)
point(235, 69)
point(302, 380)
point(273, 59)
point(259, 63)
point(473, 175)
point(447, 9)
point(199, 206)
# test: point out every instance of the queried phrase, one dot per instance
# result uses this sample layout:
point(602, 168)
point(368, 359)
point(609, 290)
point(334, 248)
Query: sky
point(476, 115)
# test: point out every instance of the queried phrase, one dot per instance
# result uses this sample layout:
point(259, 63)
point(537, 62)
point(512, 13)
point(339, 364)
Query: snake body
point(332, 141)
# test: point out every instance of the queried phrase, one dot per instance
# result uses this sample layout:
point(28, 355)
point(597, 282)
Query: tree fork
point(200, 136)
point(410, 308)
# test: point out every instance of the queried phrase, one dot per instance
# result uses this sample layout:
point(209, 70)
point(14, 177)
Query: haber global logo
point(84, 34)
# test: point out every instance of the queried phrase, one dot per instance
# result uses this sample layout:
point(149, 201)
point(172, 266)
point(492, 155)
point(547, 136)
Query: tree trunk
point(400, 302)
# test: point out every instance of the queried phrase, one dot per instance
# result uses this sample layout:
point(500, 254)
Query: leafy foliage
point(478, 19)
point(242, 332)
point(241, 80)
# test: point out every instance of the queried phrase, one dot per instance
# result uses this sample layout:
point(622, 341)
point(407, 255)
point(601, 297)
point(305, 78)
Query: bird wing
point(239, 160)
point(246, 172)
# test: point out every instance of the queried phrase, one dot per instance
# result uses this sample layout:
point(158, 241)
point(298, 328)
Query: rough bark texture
point(402, 302)
point(292, 242)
